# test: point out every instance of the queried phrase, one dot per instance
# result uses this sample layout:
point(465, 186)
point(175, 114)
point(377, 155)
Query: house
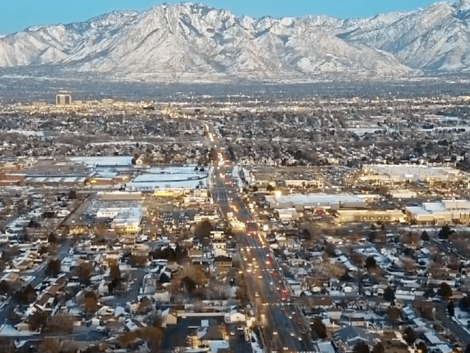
point(133, 307)
point(22, 326)
point(234, 317)
point(322, 302)
point(220, 248)
point(169, 317)
point(334, 313)
point(209, 334)
point(141, 250)
point(111, 257)
point(362, 318)
point(162, 296)
point(348, 337)
point(223, 261)
point(325, 347)
point(142, 160)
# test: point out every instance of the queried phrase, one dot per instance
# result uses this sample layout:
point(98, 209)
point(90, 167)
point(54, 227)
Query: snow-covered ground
point(104, 161)
point(10, 331)
point(286, 49)
point(462, 318)
point(255, 345)
point(28, 133)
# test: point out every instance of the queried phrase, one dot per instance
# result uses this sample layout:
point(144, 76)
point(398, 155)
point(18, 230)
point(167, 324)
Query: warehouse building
point(446, 211)
point(316, 201)
point(390, 174)
point(371, 216)
point(125, 220)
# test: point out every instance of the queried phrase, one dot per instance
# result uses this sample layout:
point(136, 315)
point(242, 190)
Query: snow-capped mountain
point(198, 43)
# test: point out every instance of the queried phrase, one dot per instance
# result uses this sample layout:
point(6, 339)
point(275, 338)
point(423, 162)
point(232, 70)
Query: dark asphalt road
point(283, 327)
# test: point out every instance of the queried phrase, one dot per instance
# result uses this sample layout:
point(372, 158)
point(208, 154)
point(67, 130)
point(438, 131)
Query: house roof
point(213, 334)
point(321, 301)
point(350, 334)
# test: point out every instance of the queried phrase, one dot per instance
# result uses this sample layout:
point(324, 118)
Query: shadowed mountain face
point(201, 44)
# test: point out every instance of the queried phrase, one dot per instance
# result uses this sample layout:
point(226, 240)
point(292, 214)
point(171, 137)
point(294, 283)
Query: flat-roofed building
point(304, 183)
point(389, 174)
point(446, 211)
point(403, 194)
point(385, 216)
point(316, 201)
point(120, 196)
point(63, 99)
point(124, 219)
point(128, 220)
point(288, 214)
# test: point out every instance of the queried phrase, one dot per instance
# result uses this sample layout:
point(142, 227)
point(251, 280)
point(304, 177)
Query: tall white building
point(63, 99)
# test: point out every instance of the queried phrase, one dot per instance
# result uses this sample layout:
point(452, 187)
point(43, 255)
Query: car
point(256, 294)
point(240, 328)
point(299, 338)
point(292, 334)
point(290, 317)
point(274, 333)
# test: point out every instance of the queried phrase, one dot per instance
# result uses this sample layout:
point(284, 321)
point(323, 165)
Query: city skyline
point(18, 15)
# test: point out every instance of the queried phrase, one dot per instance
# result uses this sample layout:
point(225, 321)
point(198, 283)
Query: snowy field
point(462, 318)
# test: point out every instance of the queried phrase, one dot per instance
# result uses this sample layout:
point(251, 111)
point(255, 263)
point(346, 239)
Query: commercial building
point(389, 174)
point(124, 220)
point(385, 216)
point(63, 99)
point(403, 194)
point(288, 214)
point(316, 201)
point(120, 196)
point(446, 211)
point(318, 183)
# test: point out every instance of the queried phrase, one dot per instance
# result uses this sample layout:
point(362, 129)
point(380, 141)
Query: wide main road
point(282, 325)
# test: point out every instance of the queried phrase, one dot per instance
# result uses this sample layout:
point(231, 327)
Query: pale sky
point(16, 15)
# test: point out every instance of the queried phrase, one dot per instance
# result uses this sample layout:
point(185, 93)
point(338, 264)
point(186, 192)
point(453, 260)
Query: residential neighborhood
point(151, 227)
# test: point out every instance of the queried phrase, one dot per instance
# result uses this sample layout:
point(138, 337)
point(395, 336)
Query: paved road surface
point(282, 324)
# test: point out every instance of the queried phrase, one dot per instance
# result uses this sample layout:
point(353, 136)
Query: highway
point(283, 327)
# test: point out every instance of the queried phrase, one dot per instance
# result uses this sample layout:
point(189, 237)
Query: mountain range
point(197, 43)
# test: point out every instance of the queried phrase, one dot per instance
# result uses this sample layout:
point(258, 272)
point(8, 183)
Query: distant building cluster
point(390, 174)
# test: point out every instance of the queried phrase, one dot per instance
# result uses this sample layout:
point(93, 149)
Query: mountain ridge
point(198, 43)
